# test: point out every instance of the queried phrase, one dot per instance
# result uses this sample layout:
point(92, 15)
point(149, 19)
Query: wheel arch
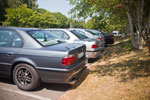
point(22, 60)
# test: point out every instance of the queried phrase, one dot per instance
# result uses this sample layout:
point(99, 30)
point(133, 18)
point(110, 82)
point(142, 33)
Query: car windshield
point(44, 37)
point(80, 36)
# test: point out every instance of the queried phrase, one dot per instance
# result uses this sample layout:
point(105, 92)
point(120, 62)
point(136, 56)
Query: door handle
point(10, 53)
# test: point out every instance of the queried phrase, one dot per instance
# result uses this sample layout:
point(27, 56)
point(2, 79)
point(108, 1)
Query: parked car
point(109, 38)
point(90, 34)
point(115, 33)
point(34, 55)
point(93, 46)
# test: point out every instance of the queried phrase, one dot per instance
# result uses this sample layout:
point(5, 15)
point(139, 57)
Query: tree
point(3, 5)
point(62, 20)
point(18, 16)
point(25, 17)
point(48, 20)
point(101, 8)
point(137, 14)
point(14, 4)
point(96, 22)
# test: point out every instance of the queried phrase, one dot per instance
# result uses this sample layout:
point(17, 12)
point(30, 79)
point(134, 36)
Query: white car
point(115, 33)
point(93, 46)
point(90, 34)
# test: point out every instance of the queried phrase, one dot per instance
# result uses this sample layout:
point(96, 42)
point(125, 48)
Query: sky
point(61, 6)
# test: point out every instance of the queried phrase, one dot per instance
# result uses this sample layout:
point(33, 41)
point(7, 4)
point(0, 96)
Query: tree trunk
point(139, 20)
point(72, 24)
point(146, 31)
point(148, 45)
point(131, 29)
point(139, 39)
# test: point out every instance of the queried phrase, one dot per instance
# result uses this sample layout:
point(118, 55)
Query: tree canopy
point(14, 4)
point(133, 15)
point(23, 16)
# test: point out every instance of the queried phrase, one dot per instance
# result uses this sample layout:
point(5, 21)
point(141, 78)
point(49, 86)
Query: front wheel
point(26, 77)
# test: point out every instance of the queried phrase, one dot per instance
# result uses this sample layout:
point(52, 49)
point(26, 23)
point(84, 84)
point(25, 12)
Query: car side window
point(65, 36)
point(6, 38)
point(61, 34)
point(17, 42)
point(83, 33)
point(39, 36)
point(57, 33)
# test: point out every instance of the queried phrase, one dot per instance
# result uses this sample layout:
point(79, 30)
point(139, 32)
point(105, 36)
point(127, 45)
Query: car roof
point(56, 29)
point(19, 28)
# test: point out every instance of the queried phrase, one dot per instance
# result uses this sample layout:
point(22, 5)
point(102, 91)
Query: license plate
point(80, 55)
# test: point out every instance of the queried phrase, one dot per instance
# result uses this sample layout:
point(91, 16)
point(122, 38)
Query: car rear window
point(80, 36)
point(92, 32)
point(44, 37)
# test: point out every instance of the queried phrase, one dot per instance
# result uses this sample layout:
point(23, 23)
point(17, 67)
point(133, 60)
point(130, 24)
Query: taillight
point(94, 46)
point(111, 36)
point(100, 39)
point(68, 60)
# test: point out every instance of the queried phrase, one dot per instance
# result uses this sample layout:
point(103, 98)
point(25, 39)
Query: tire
point(26, 77)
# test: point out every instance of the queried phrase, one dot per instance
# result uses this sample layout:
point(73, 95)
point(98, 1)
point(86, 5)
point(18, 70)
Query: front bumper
point(68, 76)
point(93, 54)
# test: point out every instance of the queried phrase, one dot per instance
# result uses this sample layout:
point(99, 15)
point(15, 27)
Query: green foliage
point(41, 10)
point(3, 5)
point(25, 17)
point(48, 20)
point(97, 22)
point(127, 45)
point(14, 4)
point(21, 16)
point(62, 20)
point(79, 23)
point(105, 14)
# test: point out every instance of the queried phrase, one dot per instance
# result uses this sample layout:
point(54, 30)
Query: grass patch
point(127, 45)
point(123, 73)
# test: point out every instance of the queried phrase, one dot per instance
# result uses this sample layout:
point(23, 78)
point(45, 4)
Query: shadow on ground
point(7, 80)
point(51, 86)
point(55, 86)
point(81, 79)
point(92, 60)
point(48, 86)
point(128, 69)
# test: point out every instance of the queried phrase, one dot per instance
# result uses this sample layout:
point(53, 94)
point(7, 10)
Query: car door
point(10, 44)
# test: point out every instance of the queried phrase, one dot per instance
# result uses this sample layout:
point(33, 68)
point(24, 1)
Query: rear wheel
point(26, 77)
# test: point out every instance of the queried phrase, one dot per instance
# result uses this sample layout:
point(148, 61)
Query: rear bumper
point(68, 76)
point(94, 54)
point(109, 41)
